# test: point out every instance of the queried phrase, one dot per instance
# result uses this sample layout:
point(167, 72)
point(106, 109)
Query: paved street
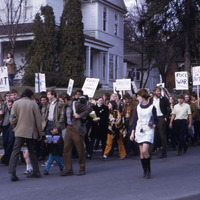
point(172, 178)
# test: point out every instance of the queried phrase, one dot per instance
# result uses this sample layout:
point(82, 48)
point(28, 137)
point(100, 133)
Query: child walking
point(55, 146)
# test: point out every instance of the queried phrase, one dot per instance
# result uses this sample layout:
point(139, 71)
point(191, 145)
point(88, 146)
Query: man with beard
point(162, 106)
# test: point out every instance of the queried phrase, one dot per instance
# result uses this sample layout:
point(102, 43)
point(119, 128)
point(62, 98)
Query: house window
point(138, 75)
point(104, 18)
point(104, 65)
point(116, 24)
point(111, 74)
point(28, 9)
point(2, 15)
point(116, 66)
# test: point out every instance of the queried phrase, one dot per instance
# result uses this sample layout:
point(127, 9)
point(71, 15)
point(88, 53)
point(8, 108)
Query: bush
point(57, 79)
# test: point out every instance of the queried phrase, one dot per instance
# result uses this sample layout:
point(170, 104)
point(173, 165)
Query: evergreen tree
point(42, 51)
point(71, 43)
point(49, 35)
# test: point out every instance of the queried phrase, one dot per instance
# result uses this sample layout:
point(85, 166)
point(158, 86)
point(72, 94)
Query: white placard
point(181, 80)
point(70, 87)
point(90, 86)
point(134, 86)
point(41, 81)
point(161, 85)
point(4, 82)
point(123, 84)
point(196, 75)
point(115, 89)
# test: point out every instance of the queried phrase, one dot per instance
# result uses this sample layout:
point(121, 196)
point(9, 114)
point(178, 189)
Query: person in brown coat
point(128, 112)
point(25, 117)
point(76, 112)
point(9, 62)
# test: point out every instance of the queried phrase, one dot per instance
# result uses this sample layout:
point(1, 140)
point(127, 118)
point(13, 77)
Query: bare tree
point(10, 19)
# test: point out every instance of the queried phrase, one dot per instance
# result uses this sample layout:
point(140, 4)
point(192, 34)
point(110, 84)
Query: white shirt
point(181, 111)
point(51, 110)
point(156, 103)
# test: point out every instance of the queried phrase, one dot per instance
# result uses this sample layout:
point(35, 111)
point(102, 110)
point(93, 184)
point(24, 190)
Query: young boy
point(55, 146)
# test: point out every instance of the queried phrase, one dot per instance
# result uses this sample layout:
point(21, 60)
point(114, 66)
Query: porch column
point(88, 61)
point(1, 54)
point(107, 67)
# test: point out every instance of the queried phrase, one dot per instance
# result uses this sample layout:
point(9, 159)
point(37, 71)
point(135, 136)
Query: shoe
point(81, 173)
point(28, 172)
point(147, 175)
point(41, 158)
point(34, 175)
point(68, 173)
point(44, 164)
point(61, 172)
point(163, 155)
point(122, 158)
point(89, 156)
point(105, 157)
point(180, 153)
point(13, 177)
point(46, 172)
point(185, 148)
point(154, 152)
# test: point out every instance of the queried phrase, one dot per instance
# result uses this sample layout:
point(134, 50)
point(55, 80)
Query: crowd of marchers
point(54, 129)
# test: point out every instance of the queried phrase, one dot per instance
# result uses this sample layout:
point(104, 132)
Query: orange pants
point(122, 151)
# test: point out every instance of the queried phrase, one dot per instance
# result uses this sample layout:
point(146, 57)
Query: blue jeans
point(8, 142)
point(10, 78)
point(58, 160)
point(49, 124)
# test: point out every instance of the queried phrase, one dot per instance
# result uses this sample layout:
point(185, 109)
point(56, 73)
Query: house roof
point(22, 28)
point(28, 28)
point(87, 37)
point(134, 59)
point(118, 3)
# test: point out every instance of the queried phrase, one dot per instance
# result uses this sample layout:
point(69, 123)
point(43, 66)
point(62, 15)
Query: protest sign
point(134, 86)
point(4, 82)
point(123, 84)
point(115, 89)
point(196, 75)
point(161, 85)
point(196, 79)
point(40, 82)
point(70, 87)
point(89, 86)
point(181, 80)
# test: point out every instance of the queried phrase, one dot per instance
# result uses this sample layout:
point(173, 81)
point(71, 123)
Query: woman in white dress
point(145, 120)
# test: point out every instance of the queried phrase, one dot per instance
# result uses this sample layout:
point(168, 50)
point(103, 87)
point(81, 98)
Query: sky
point(129, 3)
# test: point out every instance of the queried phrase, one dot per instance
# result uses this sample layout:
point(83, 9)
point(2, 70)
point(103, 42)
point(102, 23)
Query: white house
point(104, 36)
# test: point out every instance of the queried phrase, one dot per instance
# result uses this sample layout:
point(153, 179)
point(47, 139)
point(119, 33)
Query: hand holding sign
point(4, 83)
point(181, 79)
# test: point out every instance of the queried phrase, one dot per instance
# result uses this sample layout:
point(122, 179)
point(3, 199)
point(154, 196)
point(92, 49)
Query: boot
point(143, 161)
point(148, 165)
